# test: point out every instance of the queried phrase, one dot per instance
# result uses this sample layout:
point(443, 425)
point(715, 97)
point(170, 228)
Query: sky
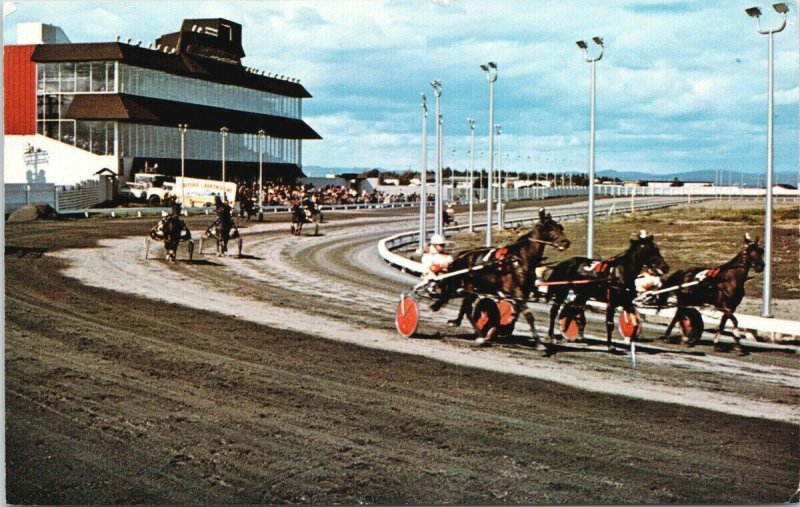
point(681, 86)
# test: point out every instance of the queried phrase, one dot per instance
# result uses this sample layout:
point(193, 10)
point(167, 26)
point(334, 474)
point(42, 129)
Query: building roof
point(138, 109)
point(178, 63)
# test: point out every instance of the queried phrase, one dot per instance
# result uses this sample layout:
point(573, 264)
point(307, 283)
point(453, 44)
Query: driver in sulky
point(436, 260)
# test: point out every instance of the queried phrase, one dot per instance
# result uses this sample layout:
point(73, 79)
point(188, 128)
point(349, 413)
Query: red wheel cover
point(485, 315)
point(406, 317)
point(691, 324)
point(569, 327)
point(507, 313)
point(629, 325)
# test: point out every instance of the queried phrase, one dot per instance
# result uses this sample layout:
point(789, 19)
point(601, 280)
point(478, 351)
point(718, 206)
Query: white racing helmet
point(438, 239)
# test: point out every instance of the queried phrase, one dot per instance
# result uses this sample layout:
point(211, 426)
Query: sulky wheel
point(629, 325)
point(486, 318)
point(406, 318)
point(508, 317)
point(691, 324)
point(572, 321)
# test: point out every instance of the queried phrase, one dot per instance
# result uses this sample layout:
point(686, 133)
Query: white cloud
point(681, 82)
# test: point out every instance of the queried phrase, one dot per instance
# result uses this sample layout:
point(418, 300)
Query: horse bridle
point(551, 243)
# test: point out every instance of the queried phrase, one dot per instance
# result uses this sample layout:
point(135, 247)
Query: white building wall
point(66, 164)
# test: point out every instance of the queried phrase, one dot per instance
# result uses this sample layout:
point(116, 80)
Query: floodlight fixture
point(590, 216)
point(753, 12)
point(491, 71)
point(766, 291)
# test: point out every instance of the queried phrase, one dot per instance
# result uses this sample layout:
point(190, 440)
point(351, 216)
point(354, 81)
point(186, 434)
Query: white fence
point(18, 195)
point(462, 194)
point(83, 195)
point(63, 198)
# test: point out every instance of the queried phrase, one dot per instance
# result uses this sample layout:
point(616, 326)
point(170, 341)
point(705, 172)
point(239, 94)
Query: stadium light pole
point(182, 128)
point(590, 219)
point(437, 204)
point(755, 12)
point(491, 75)
point(223, 132)
point(261, 135)
point(423, 176)
point(497, 131)
point(471, 124)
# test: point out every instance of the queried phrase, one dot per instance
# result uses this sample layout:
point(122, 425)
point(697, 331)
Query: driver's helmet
point(438, 239)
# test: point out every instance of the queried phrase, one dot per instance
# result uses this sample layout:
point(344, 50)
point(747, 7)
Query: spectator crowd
point(277, 194)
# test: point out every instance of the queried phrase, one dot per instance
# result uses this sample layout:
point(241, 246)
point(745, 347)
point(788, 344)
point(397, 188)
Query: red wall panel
point(19, 81)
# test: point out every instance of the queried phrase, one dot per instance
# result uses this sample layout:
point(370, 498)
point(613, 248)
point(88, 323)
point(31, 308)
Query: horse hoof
point(453, 323)
point(479, 341)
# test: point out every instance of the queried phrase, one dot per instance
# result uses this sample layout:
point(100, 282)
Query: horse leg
point(190, 246)
point(558, 299)
point(146, 247)
point(722, 322)
point(610, 311)
point(466, 304)
point(675, 319)
point(524, 310)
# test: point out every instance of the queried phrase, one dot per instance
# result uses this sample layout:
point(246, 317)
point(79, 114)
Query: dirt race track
point(279, 378)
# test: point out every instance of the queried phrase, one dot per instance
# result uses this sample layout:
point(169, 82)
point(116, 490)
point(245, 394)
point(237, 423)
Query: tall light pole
point(182, 128)
point(499, 130)
point(590, 225)
point(471, 124)
point(423, 208)
point(261, 135)
point(491, 75)
point(437, 204)
point(223, 132)
point(755, 12)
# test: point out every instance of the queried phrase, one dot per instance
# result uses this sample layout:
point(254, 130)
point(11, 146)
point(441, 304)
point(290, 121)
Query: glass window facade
point(138, 140)
point(58, 83)
point(160, 85)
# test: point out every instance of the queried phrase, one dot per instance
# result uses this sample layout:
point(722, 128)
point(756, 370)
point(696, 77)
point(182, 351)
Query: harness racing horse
point(170, 230)
point(247, 208)
point(721, 287)
point(222, 233)
point(508, 272)
point(612, 281)
point(304, 214)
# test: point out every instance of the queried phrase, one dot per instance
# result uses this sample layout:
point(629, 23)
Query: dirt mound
point(31, 212)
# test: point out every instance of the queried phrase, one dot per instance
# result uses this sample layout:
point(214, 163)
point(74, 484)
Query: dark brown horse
point(612, 281)
point(170, 230)
point(721, 287)
point(507, 272)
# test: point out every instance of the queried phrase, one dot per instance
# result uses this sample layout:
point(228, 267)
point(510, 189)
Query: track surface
point(279, 378)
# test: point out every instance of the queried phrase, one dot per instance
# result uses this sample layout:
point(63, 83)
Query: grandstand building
point(118, 105)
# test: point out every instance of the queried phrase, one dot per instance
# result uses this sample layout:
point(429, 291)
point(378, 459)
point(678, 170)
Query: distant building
point(118, 105)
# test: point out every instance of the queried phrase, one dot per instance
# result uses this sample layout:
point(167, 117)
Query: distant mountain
point(735, 178)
